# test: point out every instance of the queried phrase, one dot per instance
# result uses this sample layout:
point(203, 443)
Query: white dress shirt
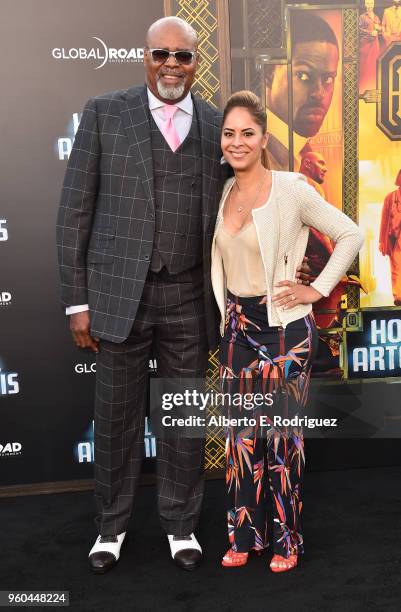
point(182, 118)
point(182, 122)
point(279, 129)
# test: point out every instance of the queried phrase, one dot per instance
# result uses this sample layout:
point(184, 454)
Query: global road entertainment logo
point(10, 449)
point(100, 53)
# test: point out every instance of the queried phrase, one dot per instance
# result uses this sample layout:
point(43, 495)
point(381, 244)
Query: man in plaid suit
point(134, 232)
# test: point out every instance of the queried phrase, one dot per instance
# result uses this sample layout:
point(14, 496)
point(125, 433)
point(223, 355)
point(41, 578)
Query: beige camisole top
point(242, 261)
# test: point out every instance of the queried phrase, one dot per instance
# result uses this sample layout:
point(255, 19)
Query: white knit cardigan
point(282, 226)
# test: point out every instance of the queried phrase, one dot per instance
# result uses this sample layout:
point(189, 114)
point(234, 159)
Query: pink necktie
point(169, 132)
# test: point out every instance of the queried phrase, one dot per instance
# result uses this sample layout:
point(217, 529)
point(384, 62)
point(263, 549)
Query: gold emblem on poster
point(389, 85)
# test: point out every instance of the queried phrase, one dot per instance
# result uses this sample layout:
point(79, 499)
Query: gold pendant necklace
point(241, 207)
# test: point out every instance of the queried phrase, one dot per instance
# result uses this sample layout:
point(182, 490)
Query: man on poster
point(134, 233)
point(314, 63)
point(369, 46)
point(390, 237)
point(391, 23)
point(314, 167)
point(319, 249)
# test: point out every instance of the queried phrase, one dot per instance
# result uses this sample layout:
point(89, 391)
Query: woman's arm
point(317, 213)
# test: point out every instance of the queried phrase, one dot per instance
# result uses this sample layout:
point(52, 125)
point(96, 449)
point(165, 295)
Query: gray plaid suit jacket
point(105, 225)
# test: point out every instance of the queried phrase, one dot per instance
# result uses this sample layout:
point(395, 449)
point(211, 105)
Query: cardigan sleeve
point(327, 219)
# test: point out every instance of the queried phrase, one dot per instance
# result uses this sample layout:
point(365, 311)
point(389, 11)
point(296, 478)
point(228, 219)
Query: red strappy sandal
point(282, 564)
point(234, 559)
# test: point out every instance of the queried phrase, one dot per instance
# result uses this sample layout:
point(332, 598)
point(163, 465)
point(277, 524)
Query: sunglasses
point(184, 58)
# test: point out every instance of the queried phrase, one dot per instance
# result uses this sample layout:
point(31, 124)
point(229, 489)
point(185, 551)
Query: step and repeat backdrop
point(56, 56)
point(329, 75)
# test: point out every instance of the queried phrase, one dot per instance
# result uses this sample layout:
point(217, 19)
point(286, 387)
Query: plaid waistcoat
point(178, 201)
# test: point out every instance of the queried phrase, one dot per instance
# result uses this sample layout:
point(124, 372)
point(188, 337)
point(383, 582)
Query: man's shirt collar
point(279, 129)
point(185, 105)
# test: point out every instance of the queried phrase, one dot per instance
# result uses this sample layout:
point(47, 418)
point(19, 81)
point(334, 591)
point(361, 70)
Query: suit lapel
point(135, 120)
point(210, 147)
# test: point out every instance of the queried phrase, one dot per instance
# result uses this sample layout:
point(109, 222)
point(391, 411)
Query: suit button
point(147, 257)
point(151, 216)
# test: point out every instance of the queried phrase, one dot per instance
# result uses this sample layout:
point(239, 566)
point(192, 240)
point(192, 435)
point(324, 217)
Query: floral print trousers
point(265, 462)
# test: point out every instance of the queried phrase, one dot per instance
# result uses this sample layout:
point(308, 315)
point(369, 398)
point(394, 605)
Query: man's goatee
point(170, 93)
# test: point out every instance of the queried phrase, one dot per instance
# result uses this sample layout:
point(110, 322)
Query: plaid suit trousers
point(170, 324)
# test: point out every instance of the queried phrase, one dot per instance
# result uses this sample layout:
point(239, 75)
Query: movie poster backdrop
point(306, 94)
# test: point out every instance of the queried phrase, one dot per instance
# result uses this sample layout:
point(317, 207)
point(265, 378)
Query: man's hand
point(294, 294)
point(304, 273)
point(79, 326)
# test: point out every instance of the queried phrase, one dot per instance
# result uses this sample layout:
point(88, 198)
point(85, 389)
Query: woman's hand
point(295, 294)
